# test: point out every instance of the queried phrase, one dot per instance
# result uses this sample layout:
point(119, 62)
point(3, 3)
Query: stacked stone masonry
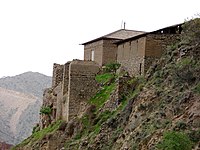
point(68, 96)
point(57, 74)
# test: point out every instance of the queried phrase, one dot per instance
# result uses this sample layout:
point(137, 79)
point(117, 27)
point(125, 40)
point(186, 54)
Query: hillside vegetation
point(160, 110)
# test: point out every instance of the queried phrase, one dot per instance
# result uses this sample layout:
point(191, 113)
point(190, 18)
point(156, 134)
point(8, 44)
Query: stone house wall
point(109, 52)
point(131, 55)
point(105, 51)
point(137, 55)
point(97, 47)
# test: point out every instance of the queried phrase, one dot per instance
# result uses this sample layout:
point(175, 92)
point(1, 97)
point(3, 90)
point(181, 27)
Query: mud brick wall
point(82, 86)
point(57, 74)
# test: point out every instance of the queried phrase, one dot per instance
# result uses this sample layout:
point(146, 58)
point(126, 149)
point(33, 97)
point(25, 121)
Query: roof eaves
point(132, 38)
point(107, 36)
point(98, 39)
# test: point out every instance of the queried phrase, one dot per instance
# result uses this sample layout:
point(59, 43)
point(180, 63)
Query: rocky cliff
point(160, 110)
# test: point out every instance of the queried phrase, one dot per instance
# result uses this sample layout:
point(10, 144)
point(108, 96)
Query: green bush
point(175, 141)
point(45, 110)
point(112, 67)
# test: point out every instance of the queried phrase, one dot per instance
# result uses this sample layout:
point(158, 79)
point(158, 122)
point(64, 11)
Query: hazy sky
point(34, 34)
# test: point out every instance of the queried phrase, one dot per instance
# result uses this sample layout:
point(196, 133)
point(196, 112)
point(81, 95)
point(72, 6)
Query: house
point(136, 54)
point(134, 50)
point(103, 50)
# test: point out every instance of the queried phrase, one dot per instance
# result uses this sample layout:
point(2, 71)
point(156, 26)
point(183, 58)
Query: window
point(140, 71)
point(92, 55)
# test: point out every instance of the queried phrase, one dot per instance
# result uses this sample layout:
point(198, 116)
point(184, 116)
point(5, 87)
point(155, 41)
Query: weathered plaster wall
point(131, 56)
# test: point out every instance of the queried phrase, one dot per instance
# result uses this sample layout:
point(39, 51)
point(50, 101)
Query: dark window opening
point(140, 71)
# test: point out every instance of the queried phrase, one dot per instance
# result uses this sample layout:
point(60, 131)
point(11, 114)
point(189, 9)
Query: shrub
point(181, 125)
point(112, 67)
point(46, 110)
point(185, 69)
point(175, 141)
point(194, 136)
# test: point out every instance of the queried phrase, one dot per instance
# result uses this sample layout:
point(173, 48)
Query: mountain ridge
point(24, 81)
point(20, 102)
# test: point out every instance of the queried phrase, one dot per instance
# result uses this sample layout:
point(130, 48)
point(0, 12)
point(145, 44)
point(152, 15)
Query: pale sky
point(34, 34)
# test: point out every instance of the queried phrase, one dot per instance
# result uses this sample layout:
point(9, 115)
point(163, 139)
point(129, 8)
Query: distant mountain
point(20, 102)
point(28, 82)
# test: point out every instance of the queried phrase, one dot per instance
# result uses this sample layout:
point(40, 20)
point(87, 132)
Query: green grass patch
point(102, 96)
point(104, 78)
point(175, 141)
point(40, 134)
point(185, 62)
